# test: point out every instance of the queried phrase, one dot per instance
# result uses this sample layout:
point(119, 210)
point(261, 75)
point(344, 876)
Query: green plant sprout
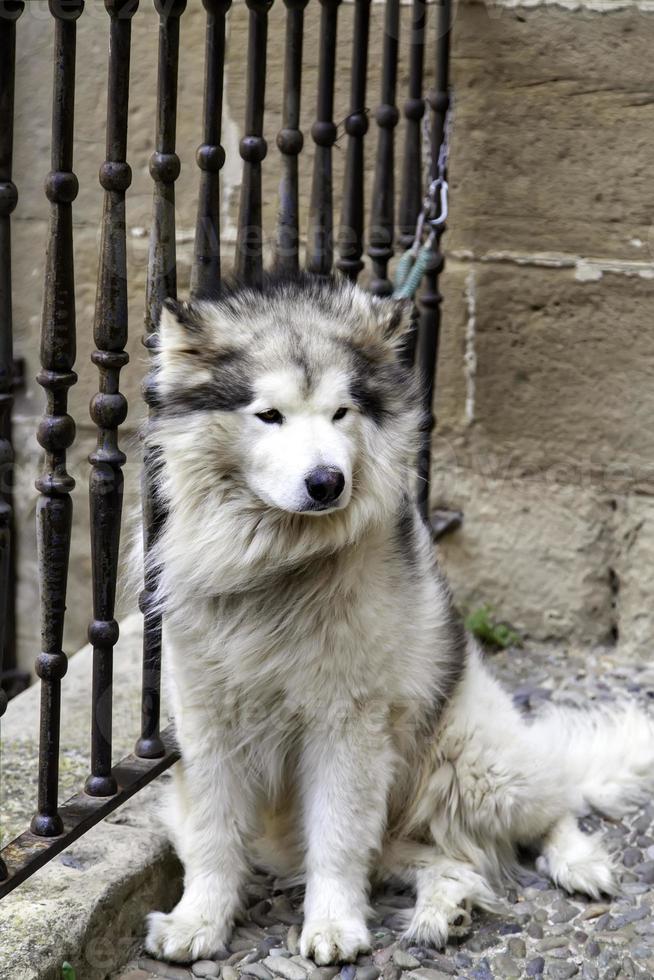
point(484, 626)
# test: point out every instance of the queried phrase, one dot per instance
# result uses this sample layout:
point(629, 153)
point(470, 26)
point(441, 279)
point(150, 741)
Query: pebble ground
point(545, 933)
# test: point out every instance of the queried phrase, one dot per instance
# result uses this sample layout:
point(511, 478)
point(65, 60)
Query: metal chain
point(433, 213)
point(426, 145)
point(444, 151)
point(439, 184)
point(435, 203)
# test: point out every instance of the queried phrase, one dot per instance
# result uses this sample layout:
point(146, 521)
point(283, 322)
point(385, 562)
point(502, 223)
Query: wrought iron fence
point(55, 826)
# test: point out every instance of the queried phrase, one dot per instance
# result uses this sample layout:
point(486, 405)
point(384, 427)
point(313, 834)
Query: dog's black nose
point(325, 484)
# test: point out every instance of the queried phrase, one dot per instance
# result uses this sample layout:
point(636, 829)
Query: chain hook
point(442, 186)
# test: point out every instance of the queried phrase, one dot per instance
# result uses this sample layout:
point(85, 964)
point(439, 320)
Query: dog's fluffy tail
point(607, 755)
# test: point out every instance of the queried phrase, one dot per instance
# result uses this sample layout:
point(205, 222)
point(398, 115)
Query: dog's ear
point(182, 329)
point(199, 327)
point(392, 319)
point(184, 346)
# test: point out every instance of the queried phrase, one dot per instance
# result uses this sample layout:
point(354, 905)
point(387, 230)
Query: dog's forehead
point(300, 323)
point(310, 343)
point(294, 386)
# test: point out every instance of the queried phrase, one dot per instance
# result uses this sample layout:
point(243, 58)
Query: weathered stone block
point(550, 151)
point(633, 575)
point(564, 375)
point(538, 554)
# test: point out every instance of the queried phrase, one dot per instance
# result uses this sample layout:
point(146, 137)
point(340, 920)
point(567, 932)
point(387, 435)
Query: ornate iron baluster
point(320, 245)
point(109, 406)
point(253, 148)
point(430, 300)
point(380, 248)
point(414, 109)
point(9, 13)
point(290, 142)
point(161, 283)
point(57, 429)
point(210, 155)
point(350, 235)
point(413, 188)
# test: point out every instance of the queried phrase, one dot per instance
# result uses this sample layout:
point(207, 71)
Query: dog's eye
point(341, 413)
point(271, 416)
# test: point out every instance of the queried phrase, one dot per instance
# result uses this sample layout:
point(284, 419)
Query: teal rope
point(403, 269)
point(409, 274)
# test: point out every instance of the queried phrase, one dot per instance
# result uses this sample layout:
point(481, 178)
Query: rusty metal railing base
point(444, 522)
point(29, 852)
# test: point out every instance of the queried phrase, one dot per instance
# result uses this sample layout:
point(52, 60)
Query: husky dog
point(330, 712)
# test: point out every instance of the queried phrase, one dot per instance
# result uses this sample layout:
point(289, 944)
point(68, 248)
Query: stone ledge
point(87, 905)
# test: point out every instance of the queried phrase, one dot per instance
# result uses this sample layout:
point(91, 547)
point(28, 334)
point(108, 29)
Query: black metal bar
point(29, 852)
point(320, 244)
point(413, 188)
point(9, 13)
point(430, 299)
point(57, 430)
point(290, 142)
point(109, 406)
point(161, 283)
point(350, 235)
point(380, 236)
point(253, 148)
point(414, 109)
point(210, 155)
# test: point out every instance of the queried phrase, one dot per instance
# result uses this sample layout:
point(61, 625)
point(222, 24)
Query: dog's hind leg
point(576, 861)
point(446, 890)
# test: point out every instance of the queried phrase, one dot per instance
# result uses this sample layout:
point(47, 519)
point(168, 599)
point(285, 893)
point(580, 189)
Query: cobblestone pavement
point(544, 934)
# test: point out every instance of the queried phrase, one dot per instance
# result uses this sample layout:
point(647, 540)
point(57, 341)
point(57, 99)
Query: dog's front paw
point(184, 936)
point(334, 940)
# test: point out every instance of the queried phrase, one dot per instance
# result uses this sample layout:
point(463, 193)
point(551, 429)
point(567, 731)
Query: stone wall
point(546, 368)
point(545, 379)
